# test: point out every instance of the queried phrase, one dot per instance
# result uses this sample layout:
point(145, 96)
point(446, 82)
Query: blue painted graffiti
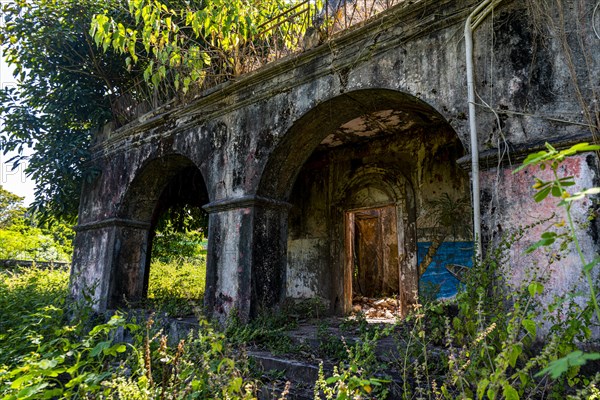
point(448, 253)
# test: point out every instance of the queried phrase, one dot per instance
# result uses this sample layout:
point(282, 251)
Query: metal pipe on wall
point(479, 14)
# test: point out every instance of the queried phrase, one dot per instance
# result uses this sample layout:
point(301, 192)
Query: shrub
point(30, 243)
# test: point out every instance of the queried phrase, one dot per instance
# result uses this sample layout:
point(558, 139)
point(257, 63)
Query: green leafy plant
point(359, 373)
point(44, 354)
point(183, 43)
point(199, 366)
point(348, 382)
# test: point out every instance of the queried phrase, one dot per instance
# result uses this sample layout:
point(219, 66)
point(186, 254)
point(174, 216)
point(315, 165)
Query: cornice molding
point(339, 53)
point(513, 155)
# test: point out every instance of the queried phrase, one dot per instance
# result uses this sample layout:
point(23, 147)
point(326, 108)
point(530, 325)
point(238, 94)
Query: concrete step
point(301, 375)
point(277, 372)
point(312, 336)
point(287, 368)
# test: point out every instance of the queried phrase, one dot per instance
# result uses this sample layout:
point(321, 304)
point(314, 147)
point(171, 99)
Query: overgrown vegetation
point(178, 269)
point(22, 237)
point(484, 344)
point(45, 355)
point(148, 53)
point(181, 44)
point(180, 235)
point(493, 341)
point(499, 340)
point(177, 288)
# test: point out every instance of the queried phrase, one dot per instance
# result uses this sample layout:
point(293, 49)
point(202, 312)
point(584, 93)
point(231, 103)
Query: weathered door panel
point(373, 251)
point(368, 254)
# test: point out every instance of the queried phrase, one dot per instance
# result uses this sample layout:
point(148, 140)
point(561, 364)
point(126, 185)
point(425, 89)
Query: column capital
point(245, 202)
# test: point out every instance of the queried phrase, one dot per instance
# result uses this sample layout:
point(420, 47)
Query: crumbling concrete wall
point(519, 221)
point(534, 90)
point(251, 139)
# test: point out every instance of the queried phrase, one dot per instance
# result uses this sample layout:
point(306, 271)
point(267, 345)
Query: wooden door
point(373, 251)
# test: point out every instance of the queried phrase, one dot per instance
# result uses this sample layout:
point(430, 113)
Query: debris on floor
point(384, 308)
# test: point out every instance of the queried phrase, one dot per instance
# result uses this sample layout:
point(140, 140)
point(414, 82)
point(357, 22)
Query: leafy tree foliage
point(11, 208)
point(22, 239)
point(30, 243)
point(185, 42)
point(180, 235)
point(66, 89)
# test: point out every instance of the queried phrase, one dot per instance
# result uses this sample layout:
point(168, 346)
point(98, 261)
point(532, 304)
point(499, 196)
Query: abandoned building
point(327, 173)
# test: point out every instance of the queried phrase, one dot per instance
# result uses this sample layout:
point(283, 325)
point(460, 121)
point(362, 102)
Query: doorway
point(372, 253)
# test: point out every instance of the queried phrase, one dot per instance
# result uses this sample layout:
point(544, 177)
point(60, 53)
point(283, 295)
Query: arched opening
point(363, 173)
point(378, 210)
point(160, 257)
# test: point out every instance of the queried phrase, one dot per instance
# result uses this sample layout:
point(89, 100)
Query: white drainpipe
point(470, 26)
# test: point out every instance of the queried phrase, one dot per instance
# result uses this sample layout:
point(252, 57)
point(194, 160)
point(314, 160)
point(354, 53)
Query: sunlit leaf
point(547, 239)
point(542, 194)
point(481, 387)
point(100, 347)
point(510, 392)
point(576, 358)
point(531, 327)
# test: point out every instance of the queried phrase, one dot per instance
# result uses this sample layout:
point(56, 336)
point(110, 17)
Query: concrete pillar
point(269, 254)
point(108, 261)
point(129, 277)
point(246, 256)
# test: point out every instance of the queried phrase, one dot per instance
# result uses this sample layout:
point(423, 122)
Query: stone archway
point(367, 140)
point(161, 183)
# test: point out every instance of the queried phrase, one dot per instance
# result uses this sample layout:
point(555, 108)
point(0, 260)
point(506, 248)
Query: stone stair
point(301, 368)
point(277, 371)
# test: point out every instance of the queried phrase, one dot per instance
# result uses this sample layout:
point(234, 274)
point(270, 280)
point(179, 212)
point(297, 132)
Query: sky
point(13, 180)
